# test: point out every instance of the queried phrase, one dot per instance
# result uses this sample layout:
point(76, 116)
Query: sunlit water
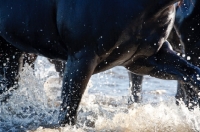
point(104, 106)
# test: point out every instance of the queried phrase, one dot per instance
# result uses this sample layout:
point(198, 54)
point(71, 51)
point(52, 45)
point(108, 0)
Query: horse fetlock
point(68, 111)
point(67, 116)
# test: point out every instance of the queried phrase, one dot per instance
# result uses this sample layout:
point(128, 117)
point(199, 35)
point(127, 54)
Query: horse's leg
point(191, 96)
point(135, 84)
point(136, 80)
point(181, 93)
point(78, 70)
point(9, 66)
point(184, 91)
point(59, 66)
point(187, 94)
point(166, 64)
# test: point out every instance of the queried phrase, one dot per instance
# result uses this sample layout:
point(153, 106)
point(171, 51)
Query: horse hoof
point(66, 121)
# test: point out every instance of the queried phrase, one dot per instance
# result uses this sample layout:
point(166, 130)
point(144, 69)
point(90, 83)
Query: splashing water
point(27, 107)
point(103, 108)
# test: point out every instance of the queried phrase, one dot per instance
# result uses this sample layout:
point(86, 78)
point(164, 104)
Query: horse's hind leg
point(59, 66)
point(187, 94)
point(135, 84)
point(165, 64)
point(9, 65)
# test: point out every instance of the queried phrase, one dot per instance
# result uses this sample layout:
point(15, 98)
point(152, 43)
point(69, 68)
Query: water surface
point(104, 106)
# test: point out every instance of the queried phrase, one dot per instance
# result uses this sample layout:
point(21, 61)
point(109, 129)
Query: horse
point(187, 27)
point(184, 39)
point(92, 36)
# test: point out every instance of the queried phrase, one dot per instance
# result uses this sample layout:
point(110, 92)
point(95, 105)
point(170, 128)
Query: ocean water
point(104, 107)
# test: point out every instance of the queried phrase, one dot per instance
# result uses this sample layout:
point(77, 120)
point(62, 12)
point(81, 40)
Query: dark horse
point(187, 26)
point(92, 36)
point(185, 39)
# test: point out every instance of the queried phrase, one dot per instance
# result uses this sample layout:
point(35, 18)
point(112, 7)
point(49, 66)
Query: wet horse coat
point(187, 25)
point(185, 40)
point(93, 36)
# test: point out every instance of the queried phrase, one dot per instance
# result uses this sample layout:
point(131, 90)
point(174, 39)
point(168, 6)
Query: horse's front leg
point(78, 71)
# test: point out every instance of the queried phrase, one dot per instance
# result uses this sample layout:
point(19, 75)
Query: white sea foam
point(37, 101)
